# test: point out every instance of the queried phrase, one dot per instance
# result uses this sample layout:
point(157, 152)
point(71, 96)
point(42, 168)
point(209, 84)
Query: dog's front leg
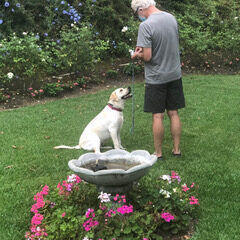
point(119, 139)
point(114, 136)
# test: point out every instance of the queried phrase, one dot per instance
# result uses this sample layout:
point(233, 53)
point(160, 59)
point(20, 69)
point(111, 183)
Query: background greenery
point(45, 38)
point(210, 147)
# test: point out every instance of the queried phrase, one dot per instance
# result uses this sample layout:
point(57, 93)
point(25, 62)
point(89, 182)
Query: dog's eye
point(121, 90)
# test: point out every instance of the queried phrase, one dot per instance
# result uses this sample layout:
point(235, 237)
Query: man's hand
point(138, 53)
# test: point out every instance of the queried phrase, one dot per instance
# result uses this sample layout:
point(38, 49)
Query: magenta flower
point(63, 214)
point(90, 213)
point(125, 209)
point(89, 224)
point(37, 219)
point(167, 216)
point(193, 200)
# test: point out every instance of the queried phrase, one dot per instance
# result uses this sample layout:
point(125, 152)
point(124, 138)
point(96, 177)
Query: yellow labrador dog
point(106, 124)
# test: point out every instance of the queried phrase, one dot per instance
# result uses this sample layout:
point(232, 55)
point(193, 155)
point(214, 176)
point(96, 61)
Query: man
point(158, 47)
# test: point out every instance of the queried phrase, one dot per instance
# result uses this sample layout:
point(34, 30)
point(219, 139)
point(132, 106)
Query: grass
point(210, 147)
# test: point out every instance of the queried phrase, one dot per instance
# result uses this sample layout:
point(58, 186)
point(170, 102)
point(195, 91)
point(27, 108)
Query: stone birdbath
point(120, 170)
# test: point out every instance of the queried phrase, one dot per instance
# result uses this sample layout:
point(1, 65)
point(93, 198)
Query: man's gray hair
point(142, 4)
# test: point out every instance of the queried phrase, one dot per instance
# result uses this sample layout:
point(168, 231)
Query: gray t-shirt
point(160, 32)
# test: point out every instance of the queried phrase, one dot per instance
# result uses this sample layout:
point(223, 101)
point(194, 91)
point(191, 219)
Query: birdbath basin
point(123, 168)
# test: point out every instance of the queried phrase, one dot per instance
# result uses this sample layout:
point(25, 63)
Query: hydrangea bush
point(75, 210)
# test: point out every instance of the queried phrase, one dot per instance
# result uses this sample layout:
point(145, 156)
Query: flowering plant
point(175, 201)
point(73, 211)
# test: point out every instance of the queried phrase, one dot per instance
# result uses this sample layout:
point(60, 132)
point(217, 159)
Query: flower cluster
point(35, 93)
point(37, 231)
point(112, 217)
point(90, 223)
point(66, 187)
point(167, 216)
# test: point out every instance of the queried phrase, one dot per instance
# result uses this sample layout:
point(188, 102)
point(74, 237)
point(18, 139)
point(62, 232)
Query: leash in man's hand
point(133, 105)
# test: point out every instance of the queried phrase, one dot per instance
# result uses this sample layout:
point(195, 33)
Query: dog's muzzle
point(128, 95)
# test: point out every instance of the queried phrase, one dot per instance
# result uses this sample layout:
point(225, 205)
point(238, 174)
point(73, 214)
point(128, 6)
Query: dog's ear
point(113, 97)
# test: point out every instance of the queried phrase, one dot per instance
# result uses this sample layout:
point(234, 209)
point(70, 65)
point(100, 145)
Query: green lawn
point(210, 147)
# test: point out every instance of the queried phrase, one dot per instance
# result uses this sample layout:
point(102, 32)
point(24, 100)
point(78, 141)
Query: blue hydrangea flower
point(45, 34)
point(62, 2)
point(1, 21)
point(80, 4)
point(64, 12)
point(6, 4)
point(18, 5)
point(13, 10)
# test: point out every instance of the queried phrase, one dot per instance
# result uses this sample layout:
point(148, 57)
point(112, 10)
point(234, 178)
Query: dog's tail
point(67, 147)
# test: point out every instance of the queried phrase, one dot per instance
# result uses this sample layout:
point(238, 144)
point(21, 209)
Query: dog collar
point(112, 107)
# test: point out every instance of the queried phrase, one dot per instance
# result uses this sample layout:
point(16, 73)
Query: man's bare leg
point(158, 132)
point(176, 128)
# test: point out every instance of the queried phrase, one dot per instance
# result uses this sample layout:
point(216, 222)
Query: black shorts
point(159, 97)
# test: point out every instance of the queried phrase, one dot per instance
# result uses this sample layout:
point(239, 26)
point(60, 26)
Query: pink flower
point(33, 95)
point(125, 209)
point(89, 224)
point(116, 197)
point(193, 200)
point(41, 90)
point(167, 216)
point(185, 188)
point(63, 214)
point(110, 213)
point(90, 213)
point(37, 219)
point(30, 89)
point(175, 176)
point(192, 185)
point(45, 190)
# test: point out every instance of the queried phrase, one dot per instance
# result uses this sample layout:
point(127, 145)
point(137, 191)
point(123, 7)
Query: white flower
point(10, 75)
point(131, 52)
point(236, 18)
point(174, 189)
point(166, 177)
point(105, 197)
point(165, 193)
point(24, 33)
point(86, 238)
point(0, 45)
point(124, 29)
point(71, 178)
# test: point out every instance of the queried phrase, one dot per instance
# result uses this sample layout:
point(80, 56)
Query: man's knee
point(158, 116)
point(172, 113)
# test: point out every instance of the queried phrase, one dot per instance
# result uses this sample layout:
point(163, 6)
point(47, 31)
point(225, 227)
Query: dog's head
point(118, 97)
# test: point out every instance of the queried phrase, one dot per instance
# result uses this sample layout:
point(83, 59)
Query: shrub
point(132, 68)
point(24, 58)
point(72, 211)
